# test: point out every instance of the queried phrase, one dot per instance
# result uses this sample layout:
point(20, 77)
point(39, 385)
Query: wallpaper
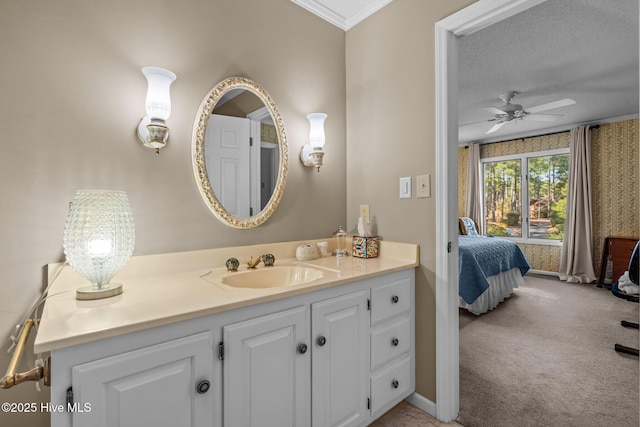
point(525, 145)
point(615, 180)
point(268, 133)
point(542, 257)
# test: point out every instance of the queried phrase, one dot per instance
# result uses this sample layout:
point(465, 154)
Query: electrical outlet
point(423, 186)
point(364, 213)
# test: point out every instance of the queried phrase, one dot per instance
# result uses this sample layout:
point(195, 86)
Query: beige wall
point(615, 178)
point(71, 97)
point(391, 122)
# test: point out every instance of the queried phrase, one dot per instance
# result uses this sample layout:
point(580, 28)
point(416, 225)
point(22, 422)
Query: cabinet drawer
point(391, 384)
point(390, 300)
point(389, 342)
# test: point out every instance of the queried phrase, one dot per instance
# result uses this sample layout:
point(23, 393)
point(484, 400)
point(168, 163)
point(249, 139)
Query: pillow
point(467, 226)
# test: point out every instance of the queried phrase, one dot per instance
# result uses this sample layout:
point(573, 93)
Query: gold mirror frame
point(199, 167)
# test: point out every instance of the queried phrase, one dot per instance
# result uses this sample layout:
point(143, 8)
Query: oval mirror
point(240, 153)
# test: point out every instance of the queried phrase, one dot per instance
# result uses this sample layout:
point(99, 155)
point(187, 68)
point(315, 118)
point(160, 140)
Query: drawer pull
point(395, 342)
point(302, 348)
point(395, 384)
point(203, 386)
point(395, 299)
point(321, 341)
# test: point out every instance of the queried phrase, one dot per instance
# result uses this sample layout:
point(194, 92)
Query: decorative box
point(365, 247)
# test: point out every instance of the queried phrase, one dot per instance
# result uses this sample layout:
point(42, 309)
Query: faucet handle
point(232, 264)
point(268, 260)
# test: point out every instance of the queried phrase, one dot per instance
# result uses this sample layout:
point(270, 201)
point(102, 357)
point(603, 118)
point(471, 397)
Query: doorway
point(467, 21)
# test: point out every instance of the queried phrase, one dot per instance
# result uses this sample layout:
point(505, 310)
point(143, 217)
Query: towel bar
point(12, 377)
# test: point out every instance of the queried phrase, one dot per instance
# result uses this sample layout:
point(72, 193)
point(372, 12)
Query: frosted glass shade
point(158, 101)
point(316, 132)
point(99, 235)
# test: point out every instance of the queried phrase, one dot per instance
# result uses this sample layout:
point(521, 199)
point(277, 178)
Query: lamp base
point(311, 157)
point(86, 293)
point(152, 133)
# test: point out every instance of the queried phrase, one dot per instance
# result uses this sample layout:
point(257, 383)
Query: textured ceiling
point(586, 50)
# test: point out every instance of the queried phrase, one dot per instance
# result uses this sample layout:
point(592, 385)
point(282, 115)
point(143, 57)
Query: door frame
point(467, 21)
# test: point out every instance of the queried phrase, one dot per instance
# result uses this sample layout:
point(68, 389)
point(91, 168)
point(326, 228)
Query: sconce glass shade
point(158, 102)
point(311, 154)
point(316, 131)
point(152, 129)
point(99, 237)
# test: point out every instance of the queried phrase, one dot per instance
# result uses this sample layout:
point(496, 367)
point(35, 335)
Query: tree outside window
point(503, 206)
point(546, 175)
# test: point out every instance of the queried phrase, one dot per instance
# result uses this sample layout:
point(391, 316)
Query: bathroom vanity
point(330, 342)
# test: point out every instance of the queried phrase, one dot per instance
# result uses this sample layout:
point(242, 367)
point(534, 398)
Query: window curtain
point(473, 205)
point(576, 265)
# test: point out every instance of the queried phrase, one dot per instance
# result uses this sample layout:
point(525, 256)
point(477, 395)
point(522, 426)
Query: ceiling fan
point(515, 112)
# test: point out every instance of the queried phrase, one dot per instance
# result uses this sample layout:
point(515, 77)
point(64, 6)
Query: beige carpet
point(545, 357)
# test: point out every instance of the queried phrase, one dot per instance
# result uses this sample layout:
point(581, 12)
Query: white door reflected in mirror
point(240, 153)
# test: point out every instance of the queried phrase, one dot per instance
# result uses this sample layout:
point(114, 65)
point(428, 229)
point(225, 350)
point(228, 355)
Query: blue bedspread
point(480, 257)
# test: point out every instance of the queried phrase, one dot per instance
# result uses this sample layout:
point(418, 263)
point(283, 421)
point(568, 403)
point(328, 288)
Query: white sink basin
point(272, 277)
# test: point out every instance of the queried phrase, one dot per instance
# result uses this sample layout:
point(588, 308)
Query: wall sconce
point(311, 154)
point(152, 130)
point(98, 240)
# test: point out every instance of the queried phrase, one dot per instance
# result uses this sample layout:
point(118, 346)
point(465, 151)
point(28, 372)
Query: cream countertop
point(167, 288)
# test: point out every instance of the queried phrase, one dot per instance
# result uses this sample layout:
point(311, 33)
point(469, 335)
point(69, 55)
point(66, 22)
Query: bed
point(489, 269)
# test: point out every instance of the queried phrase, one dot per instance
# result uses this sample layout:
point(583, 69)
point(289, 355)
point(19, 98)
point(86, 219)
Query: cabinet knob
point(302, 348)
point(395, 299)
point(203, 386)
point(395, 342)
point(395, 384)
point(321, 341)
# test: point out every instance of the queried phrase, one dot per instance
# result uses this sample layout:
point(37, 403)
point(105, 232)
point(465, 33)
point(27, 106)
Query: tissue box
point(365, 247)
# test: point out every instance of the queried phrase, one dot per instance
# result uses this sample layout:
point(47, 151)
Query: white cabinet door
point(153, 386)
point(266, 376)
point(340, 368)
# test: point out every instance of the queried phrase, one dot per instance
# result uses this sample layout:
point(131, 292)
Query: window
point(545, 176)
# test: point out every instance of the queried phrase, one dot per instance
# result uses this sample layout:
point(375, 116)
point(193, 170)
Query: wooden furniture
point(616, 250)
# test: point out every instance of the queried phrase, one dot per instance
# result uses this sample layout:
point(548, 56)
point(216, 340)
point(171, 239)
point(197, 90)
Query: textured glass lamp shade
point(99, 237)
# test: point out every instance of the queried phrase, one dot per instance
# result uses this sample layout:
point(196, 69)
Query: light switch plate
point(405, 187)
point(364, 213)
point(423, 186)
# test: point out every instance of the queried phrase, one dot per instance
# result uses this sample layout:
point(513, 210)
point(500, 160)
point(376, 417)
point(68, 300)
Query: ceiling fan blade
point(495, 110)
point(495, 127)
point(475, 123)
point(551, 105)
point(544, 117)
